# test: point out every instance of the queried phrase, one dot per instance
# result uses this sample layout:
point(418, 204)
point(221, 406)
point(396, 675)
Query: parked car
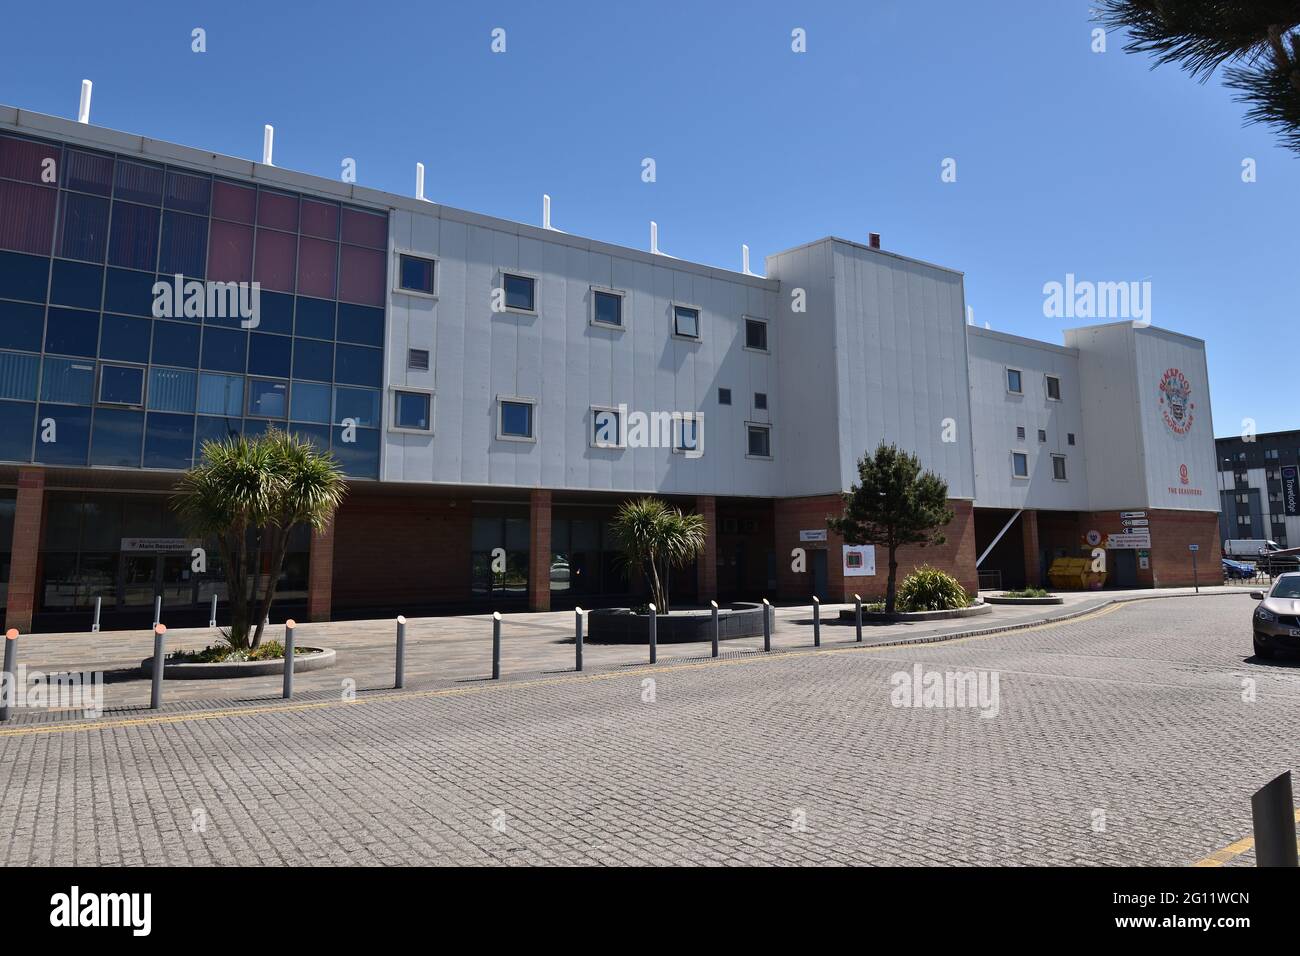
point(1277, 617)
point(1237, 570)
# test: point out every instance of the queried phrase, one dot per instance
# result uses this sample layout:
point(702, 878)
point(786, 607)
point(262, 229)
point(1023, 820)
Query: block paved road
point(796, 758)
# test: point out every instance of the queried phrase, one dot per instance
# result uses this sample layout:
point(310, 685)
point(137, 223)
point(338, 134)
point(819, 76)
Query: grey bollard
point(399, 677)
point(577, 639)
point(857, 599)
point(10, 686)
point(288, 658)
point(654, 633)
point(157, 610)
point(714, 604)
point(496, 645)
point(99, 603)
point(159, 640)
point(1273, 811)
point(817, 621)
point(212, 615)
point(767, 625)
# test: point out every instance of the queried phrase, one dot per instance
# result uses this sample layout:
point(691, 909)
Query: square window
point(221, 394)
point(172, 389)
point(1053, 388)
point(1019, 464)
point(1058, 467)
point(521, 292)
point(361, 405)
point(760, 401)
point(515, 420)
point(67, 380)
point(607, 428)
point(1042, 435)
point(309, 402)
point(411, 410)
point(686, 322)
point(760, 441)
point(121, 385)
point(18, 375)
point(417, 360)
point(724, 396)
point(607, 308)
point(116, 437)
point(1013, 381)
point(268, 399)
point(415, 274)
point(756, 335)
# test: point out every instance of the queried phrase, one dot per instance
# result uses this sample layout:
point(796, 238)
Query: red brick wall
point(539, 551)
point(29, 512)
point(1171, 533)
point(320, 575)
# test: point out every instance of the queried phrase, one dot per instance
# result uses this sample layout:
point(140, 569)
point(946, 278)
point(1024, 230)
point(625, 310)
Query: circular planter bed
point(1050, 599)
point(880, 617)
point(620, 625)
point(313, 659)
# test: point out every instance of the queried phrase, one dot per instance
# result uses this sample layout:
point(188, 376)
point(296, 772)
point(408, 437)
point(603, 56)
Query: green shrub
point(225, 654)
point(929, 589)
point(1028, 593)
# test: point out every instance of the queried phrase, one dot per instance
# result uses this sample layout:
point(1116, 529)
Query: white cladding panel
point(1111, 419)
point(996, 413)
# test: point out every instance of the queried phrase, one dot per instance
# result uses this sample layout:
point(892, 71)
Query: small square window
point(756, 335)
point(724, 396)
point(1058, 467)
point(606, 428)
point(760, 441)
point(607, 308)
point(417, 360)
point(686, 322)
point(686, 434)
point(411, 410)
point(515, 420)
point(1019, 464)
point(121, 385)
point(760, 401)
point(1020, 432)
point(267, 398)
point(521, 292)
point(415, 274)
point(1053, 388)
point(1069, 438)
point(1042, 436)
point(1013, 380)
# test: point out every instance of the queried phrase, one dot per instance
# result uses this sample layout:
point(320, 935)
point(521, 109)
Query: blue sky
point(1068, 161)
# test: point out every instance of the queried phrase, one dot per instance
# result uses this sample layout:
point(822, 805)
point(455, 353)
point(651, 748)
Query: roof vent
point(873, 240)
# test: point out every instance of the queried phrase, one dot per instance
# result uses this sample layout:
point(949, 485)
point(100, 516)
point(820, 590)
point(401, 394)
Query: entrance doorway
point(821, 586)
point(142, 577)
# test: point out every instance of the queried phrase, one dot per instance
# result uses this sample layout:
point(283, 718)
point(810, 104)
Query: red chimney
point(873, 240)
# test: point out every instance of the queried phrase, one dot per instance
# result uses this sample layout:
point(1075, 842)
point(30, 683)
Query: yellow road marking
point(488, 687)
point(1232, 850)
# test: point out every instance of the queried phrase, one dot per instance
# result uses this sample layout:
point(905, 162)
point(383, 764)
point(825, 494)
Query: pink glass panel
point(320, 219)
point(230, 252)
point(236, 203)
point(275, 260)
point(277, 211)
point(22, 159)
point(26, 217)
point(361, 276)
point(316, 267)
point(365, 229)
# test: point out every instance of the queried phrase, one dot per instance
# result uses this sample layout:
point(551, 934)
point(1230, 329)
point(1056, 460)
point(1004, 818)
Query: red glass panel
point(236, 203)
point(230, 252)
point(361, 276)
point(316, 267)
point(320, 219)
point(26, 217)
point(23, 159)
point(275, 260)
point(365, 228)
point(277, 211)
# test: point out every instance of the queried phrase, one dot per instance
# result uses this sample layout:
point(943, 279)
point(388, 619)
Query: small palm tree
point(249, 494)
point(657, 537)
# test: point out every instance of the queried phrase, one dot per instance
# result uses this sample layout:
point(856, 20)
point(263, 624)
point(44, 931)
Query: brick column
point(1029, 535)
point(706, 565)
point(26, 548)
point(320, 575)
point(539, 550)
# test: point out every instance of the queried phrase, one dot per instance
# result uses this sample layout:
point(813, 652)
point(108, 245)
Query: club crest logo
point(1176, 406)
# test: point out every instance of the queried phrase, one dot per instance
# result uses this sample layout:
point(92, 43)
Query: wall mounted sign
point(1291, 489)
point(813, 535)
point(859, 560)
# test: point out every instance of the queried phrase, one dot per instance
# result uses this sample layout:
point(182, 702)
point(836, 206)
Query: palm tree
point(249, 494)
point(657, 537)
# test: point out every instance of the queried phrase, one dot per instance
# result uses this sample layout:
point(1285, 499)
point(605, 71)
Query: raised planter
point(1051, 599)
point(314, 660)
point(880, 617)
point(620, 625)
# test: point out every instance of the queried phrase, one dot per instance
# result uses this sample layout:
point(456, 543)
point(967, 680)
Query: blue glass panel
point(224, 350)
point(275, 312)
point(214, 429)
point(121, 384)
point(172, 389)
point(310, 402)
point(19, 373)
point(117, 437)
point(124, 339)
point(16, 421)
point(359, 458)
point(83, 229)
point(318, 435)
point(267, 399)
point(22, 326)
point(313, 360)
point(184, 245)
point(168, 441)
point(315, 318)
point(69, 332)
point(133, 240)
point(62, 434)
point(130, 293)
point(175, 344)
point(359, 404)
point(269, 354)
point(188, 192)
point(68, 380)
point(354, 365)
point(88, 172)
point(24, 277)
point(138, 182)
point(258, 426)
point(221, 394)
point(361, 325)
point(77, 284)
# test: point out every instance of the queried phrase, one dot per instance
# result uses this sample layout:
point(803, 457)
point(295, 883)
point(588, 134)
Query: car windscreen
point(1286, 588)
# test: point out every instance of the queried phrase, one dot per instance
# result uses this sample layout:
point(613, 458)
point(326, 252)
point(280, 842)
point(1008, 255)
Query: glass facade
point(89, 377)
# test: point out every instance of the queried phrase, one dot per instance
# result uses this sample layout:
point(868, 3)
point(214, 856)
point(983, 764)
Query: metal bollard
point(288, 658)
point(577, 639)
point(857, 598)
point(157, 610)
point(496, 645)
point(155, 697)
point(399, 677)
point(767, 625)
point(654, 633)
point(1273, 811)
point(715, 627)
point(99, 602)
point(10, 679)
point(212, 615)
point(817, 621)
